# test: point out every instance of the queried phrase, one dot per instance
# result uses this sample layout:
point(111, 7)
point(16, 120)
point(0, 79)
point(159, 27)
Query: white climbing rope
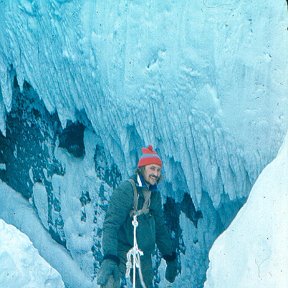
point(133, 257)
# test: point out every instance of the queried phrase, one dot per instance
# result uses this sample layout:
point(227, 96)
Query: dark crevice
point(31, 133)
point(72, 139)
point(188, 208)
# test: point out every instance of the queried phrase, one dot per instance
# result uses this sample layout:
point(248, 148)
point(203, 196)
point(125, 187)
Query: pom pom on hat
point(149, 156)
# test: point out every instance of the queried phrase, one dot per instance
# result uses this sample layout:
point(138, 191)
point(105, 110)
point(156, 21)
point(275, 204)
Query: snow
point(252, 252)
point(21, 265)
point(15, 210)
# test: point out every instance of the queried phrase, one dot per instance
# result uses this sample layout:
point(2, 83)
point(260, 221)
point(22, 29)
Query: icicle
point(6, 88)
point(2, 115)
point(2, 118)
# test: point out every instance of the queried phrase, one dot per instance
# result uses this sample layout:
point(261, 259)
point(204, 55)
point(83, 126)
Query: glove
point(171, 270)
point(108, 268)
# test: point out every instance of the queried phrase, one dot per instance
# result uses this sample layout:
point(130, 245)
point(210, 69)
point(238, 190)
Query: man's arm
point(120, 205)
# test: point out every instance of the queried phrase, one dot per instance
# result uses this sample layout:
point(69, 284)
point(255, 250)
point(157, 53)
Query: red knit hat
point(149, 156)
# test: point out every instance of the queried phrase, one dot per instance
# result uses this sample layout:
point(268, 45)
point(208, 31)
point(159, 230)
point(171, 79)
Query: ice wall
point(204, 82)
point(19, 256)
point(21, 264)
point(252, 252)
point(215, 71)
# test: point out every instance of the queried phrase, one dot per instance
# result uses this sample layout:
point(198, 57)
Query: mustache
point(154, 176)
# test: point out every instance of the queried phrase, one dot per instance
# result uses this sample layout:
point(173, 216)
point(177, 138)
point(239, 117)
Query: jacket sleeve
point(163, 239)
point(119, 208)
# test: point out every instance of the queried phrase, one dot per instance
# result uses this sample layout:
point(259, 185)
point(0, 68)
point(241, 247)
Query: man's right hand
point(171, 270)
point(108, 268)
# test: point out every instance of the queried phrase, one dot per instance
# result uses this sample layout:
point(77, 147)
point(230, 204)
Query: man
point(118, 229)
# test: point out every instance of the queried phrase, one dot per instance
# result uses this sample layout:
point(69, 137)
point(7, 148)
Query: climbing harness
point(133, 255)
point(146, 204)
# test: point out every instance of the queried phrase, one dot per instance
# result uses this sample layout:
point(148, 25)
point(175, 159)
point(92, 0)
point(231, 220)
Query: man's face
point(152, 173)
